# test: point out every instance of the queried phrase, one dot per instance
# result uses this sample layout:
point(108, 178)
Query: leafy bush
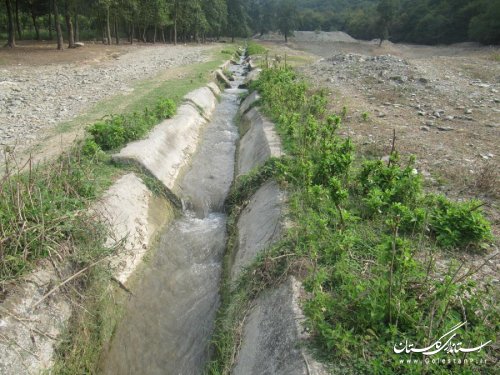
point(255, 49)
point(383, 184)
point(116, 131)
point(108, 134)
point(165, 109)
point(459, 224)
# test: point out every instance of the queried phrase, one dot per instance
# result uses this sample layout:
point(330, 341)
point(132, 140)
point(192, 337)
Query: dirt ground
point(443, 103)
point(29, 53)
point(42, 88)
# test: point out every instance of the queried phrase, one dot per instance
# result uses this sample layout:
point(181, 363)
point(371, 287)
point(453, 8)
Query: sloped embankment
point(271, 337)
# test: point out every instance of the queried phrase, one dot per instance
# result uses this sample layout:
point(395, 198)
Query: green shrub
point(165, 108)
point(108, 134)
point(255, 49)
point(459, 224)
point(383, 184)
point(90, 148)
point(116, 131)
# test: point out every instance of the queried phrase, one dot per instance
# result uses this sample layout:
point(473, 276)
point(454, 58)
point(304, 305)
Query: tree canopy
point(416, 21)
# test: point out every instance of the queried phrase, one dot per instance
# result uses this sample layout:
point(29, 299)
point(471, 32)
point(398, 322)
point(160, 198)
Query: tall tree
point(69, 23)
point(216, 16)
point(36, 9)
point(387, 10)
point(287, 17)
point(18, 21)
point(175, 10)
point(236, 18)
point(11, 37)
point(60, 40)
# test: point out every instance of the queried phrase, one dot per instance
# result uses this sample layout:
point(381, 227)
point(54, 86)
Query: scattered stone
point(424, 128)
point(468, 111)
point(445, 128)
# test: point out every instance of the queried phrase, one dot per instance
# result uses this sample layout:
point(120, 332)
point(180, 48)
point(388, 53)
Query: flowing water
point(169, 320)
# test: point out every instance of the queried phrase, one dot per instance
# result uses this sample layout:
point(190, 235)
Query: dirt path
point(40, 88)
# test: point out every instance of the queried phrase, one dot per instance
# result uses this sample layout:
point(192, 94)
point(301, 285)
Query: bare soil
point(41, 87)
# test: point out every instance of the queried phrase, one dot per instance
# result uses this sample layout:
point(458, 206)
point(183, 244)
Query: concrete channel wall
point(134, 216)
point(259, 142)
point(273, 337)
point(167, 150)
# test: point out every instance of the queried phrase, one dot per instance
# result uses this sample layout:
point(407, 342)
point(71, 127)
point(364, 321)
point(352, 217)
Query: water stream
point(169, 320)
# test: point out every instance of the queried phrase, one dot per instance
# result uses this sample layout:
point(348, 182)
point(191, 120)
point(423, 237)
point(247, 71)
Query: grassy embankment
point(44, 208)
point(366, 236)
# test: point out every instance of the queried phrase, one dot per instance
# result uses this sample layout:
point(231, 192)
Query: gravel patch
point(35, 99)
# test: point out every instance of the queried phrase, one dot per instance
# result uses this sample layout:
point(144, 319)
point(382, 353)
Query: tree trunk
point(77, 28)
point(108, 27)
point(11, 38)
point(117, 37)
point(175, 32)
point(154, 36)
point(35, 25)
point(286, 38)
point(163, 36)
point(175, 25)
point(50, 20)
point(132, 34)
point(60, 40)
point(69, 28)
point(18, 22)
point(144, 34)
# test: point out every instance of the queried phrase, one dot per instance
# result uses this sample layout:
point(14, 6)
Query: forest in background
point(414, 21)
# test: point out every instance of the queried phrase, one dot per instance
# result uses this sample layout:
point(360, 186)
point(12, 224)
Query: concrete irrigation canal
point(167, 326)
point(169, 322)
point(173, 247)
